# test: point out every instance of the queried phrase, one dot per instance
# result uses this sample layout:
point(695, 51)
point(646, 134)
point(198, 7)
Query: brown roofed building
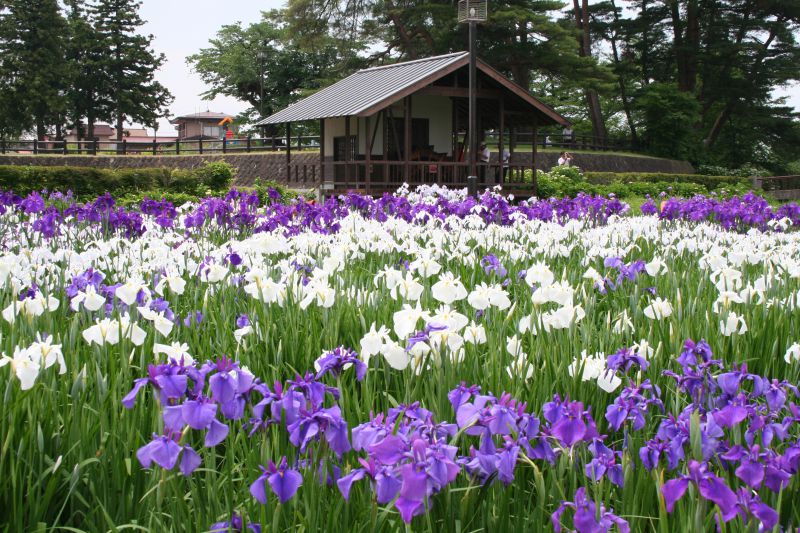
point(205, 125)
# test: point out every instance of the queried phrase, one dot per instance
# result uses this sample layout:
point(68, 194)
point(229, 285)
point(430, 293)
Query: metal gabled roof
point(370, 90)
point(366, 88)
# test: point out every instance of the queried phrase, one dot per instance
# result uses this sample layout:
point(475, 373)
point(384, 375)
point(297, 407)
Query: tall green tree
point(33, 71)
point(87, 79)
point(263, 65)
point(129, 64)
point(521, 38)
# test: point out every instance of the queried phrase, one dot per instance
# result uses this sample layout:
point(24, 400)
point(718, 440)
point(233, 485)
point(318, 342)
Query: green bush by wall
point(569, 181)
point(88, 182)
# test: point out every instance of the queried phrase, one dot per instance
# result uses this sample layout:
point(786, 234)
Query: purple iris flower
point(164, 451)
point(624, 359)
point(283, 481)
point(710, 486)
point(632, 405)
point(491, 263)
point(337, 360)
point(587, 518)
point(462, 394)
point(569, 422)
point(423, 335)
point(750, 505)
point(236, 524)
point(242, 321)
point(605, 461)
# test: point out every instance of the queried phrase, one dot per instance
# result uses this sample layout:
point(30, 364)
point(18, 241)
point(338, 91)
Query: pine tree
point(129, 64)
point(32, 68)
point(86, 76)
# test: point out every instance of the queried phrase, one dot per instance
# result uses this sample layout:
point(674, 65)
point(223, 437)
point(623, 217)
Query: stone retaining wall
point(273, 165)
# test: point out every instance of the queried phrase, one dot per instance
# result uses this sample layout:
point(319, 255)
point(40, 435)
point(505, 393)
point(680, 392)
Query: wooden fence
point(780, 187)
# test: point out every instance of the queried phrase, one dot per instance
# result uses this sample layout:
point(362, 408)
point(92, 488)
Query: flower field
point(423, 361)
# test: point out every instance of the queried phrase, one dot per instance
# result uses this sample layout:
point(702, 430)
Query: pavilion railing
point(388, 176)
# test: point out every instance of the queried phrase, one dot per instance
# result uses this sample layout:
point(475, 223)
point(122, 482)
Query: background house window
point(212, 131)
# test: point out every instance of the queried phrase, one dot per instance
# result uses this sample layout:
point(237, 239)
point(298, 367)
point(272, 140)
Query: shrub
point(569, 181)
point(262, 188)
point(711, 183)
point(89, 182)
point(135, 198)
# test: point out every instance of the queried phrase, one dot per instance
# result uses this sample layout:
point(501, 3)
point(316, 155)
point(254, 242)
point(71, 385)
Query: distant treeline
point(74, 64)
point(690, 79)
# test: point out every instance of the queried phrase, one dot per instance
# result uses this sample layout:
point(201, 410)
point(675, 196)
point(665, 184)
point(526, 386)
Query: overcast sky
point(181, 28)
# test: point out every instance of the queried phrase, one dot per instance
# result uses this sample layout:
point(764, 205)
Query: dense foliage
point(423, 361)
point(571, 181)
point(682, 79)
point(85, 183)
point(75, 65)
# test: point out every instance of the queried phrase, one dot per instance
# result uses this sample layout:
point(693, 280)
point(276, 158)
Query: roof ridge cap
point(421, 60)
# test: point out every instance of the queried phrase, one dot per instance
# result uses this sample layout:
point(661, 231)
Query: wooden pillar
point(533, 155)
point(347, 150)
point(367, 156)
point(288, 152)
point(500, 144)
point(385, 147)
point(322, 150)
point(407, 137)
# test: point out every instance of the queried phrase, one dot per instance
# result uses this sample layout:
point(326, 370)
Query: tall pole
point(261, 90)
point(473, 134)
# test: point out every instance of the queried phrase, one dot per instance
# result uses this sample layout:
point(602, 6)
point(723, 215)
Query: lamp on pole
point(472, 12)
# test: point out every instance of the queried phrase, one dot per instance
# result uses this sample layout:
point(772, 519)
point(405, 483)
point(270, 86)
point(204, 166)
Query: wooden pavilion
point(406, 123)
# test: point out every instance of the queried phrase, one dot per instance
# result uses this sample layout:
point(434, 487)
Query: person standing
point(567, 135)
point(505, 158)
point(483, 157)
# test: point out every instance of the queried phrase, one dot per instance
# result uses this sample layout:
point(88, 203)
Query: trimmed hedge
point(569, 181)
point(711, 183)
point(89, 182)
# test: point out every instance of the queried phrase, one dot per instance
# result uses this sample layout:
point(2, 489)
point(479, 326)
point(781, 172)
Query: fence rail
point(781, 187)
point(177, 147)
point(277, 144)
point(564, 142)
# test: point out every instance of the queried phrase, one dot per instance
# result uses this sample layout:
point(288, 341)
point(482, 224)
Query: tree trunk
point(626, 104)
point(120, 125)
point(645, 47)
point(585, 49)
point(40, 130)
point(754, 73)
point(686, 42)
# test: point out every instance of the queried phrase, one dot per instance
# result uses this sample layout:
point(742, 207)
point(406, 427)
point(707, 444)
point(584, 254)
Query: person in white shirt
point(505, 158)
point(483, 158)
point(566, 135)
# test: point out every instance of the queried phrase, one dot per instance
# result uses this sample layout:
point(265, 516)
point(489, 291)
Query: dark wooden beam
point(368, 154)
point(347, 150)
point(385, 147)
point(322, 149)
point(407, 137)
point(458, 92)
point(288, 152)
point(500, 144)
point(533, 156)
